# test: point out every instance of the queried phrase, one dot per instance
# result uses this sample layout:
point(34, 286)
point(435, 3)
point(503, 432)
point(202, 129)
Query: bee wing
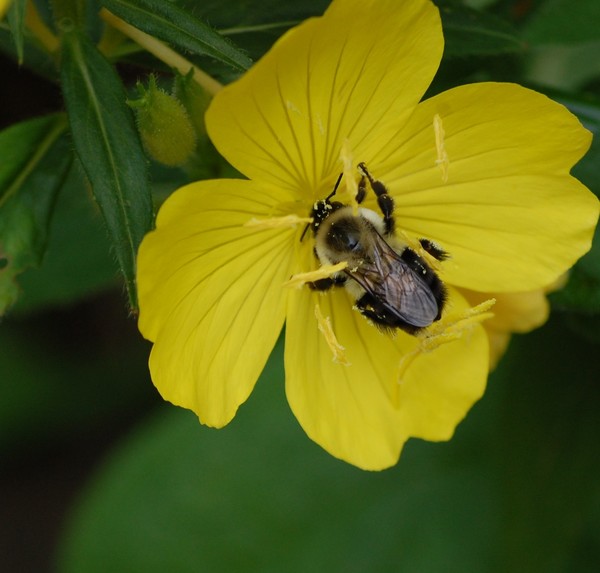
point(395, 285)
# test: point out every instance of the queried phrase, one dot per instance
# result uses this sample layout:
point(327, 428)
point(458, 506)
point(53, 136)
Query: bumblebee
point(393, 286)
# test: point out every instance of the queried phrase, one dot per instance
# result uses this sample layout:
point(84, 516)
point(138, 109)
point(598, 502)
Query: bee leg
point(386, 204)
point(434, 249)
point(326, 284)
point(362, 190)
point(384, 199)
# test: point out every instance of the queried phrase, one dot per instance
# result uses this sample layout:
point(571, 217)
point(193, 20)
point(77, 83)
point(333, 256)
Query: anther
point(324, 324)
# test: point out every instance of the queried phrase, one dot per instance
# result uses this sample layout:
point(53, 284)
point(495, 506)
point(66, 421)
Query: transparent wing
point(386, 277)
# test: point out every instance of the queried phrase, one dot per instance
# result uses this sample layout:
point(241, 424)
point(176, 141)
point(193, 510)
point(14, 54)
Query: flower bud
point(164, 125)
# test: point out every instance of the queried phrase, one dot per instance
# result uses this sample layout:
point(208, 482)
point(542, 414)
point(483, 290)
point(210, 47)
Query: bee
point(393, 286)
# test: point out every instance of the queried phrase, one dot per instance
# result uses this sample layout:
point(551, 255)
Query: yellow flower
point(482, 170)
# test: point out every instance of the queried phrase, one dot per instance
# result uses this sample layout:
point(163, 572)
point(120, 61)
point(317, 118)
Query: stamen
point(323, 272)
point(277, 222)
point(442, 160)
point(449, 328)
point(461, 321)
point(324, 324)
point(349, 172)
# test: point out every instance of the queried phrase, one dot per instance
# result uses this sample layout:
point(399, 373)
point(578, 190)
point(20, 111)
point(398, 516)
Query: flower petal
point(441, 386)
point(498, 341)
point(509, 213)
point(349, 410)
point(349, 74)
point(210, 293)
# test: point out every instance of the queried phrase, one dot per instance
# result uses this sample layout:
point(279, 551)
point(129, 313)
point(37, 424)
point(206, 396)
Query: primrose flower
point(481, 170)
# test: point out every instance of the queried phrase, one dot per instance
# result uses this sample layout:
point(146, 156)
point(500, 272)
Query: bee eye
point(352, 241)
point(345, 237)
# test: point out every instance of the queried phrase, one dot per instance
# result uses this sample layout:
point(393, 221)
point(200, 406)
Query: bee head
point(321, 211)
point(345, 235)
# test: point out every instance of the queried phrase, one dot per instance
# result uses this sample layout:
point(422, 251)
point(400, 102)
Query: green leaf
point(21, 147)
point(255, 24)
point(565, 67)
point(238, 15)
point(35, 162)
point(108, 145)
point(565, 42)
point(78, 262)
point(178, 27)
point(16, 21)
point(564, 22)
point(34, 57)
point(468, 32)
point(80, 14)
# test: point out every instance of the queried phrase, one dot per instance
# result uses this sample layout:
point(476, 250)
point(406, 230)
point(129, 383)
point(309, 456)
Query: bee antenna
point(304, 232)
point(335, 187)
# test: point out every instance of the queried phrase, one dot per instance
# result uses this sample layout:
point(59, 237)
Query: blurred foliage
point(36, 160)
point(514, 490)
point(68, 373)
